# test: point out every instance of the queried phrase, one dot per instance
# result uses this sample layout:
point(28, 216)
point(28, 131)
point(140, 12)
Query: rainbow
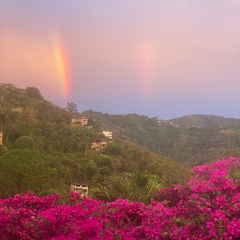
point(146, 68)
point(62, 66)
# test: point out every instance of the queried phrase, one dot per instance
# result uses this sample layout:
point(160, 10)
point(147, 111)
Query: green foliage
point(46, 154)
point(24, 142)
point(190, 140)
point(3, 150)
point(21, 170)
point(134, 187)
point(72, 107)
point(33, 92)
point(234, 174)
point(113, 149)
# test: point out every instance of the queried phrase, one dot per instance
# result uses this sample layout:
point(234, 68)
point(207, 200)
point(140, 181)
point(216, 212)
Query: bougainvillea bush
point(206, 207)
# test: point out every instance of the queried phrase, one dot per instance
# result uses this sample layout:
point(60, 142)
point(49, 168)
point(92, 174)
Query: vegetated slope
point(44, 153)
point(200, 120)
point(191, 140)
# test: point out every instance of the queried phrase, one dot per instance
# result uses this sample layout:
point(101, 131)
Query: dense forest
point(43, 152)
point(190, 140)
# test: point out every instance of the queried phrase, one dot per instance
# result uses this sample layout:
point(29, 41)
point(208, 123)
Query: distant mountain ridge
point(201, 120)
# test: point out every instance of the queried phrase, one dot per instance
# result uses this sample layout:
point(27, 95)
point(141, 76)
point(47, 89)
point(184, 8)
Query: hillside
point(191, 140)
point(44, 152)
point(200, 120)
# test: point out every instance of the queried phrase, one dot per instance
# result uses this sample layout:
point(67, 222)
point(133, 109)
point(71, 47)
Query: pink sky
point(158, 58)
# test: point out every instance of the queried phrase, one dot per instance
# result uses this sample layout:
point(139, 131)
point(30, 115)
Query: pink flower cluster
point(206, 207)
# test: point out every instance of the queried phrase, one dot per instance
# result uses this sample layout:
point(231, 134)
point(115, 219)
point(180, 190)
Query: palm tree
point(143, 187)
point(134, 187)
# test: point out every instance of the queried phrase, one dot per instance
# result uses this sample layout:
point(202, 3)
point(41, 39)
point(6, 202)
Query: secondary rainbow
point(62, 67)
point(146, 68)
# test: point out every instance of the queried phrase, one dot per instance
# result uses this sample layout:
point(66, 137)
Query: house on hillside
point(79, 121)
point(6, 85)
point(81, 188)
point(165, 123)
point(99, 144)
point(1, 138)
point(88, 126)
point(18, 109)
point(107, 134)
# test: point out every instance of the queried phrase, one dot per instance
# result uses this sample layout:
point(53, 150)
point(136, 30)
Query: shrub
point(206, 207)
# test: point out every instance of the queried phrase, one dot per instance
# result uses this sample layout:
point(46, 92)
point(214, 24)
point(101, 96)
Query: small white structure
point(107, 134)
point(81, 188)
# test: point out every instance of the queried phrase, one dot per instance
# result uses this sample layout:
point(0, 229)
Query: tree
point(72, 107)
point(113, 149)
point(23, 170)
point(34, 92)
point(3, 150)
point(24, 142)
point(134, 187)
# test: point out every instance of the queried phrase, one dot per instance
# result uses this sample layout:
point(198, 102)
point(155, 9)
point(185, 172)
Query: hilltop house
point(7, 85)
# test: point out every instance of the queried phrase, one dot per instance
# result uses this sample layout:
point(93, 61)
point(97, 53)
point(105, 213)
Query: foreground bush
point(206, 207)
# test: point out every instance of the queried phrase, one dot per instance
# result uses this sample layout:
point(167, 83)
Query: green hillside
point(43, 152)
point(200, 120)
point(190, 140)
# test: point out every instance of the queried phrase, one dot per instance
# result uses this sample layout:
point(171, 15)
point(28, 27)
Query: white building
point(107, 134)
point(80, 188)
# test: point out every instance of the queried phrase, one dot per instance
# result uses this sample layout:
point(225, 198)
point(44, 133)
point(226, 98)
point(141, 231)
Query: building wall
point(18, 109)
point(107, 134)
point(1, 138)
point(98, 145)
point(80, 188)
point(80, 121)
